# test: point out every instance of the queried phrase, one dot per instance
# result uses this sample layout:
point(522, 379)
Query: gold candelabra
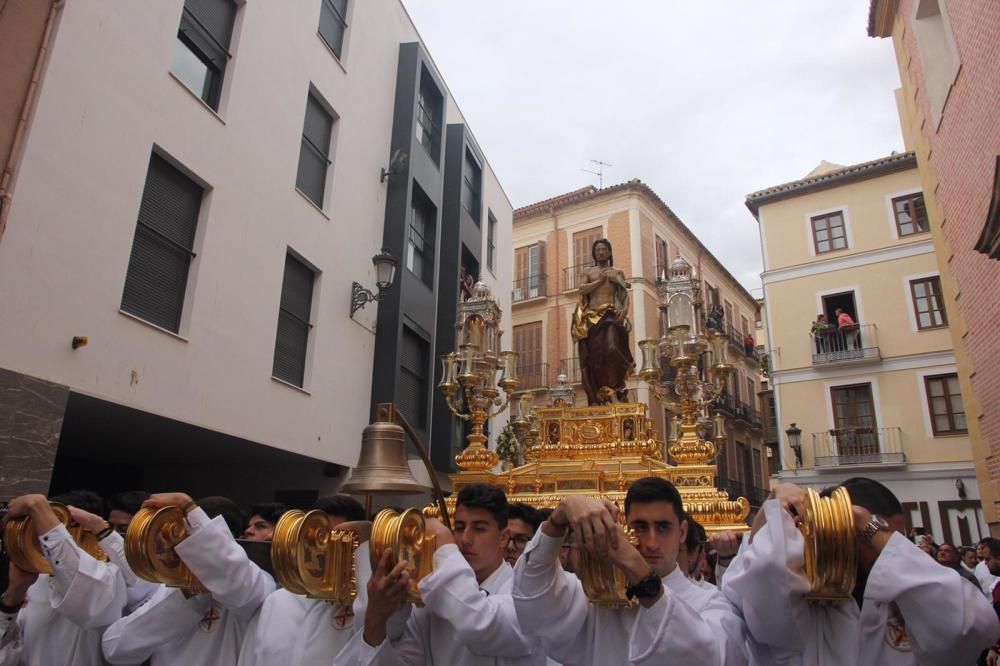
point(473, 376)
point(672, 366)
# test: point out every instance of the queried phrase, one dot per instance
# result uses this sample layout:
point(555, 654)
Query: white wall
point(107, 99)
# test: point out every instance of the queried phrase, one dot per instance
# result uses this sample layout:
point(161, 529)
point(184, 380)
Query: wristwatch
point(646, 588)
point(875, 524)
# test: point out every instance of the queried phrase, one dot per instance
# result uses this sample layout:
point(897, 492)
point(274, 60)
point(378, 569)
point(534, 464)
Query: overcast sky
point(704, 101)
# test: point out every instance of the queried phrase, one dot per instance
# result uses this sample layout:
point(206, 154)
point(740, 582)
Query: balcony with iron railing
point(857, 343)
point(527, 288)
point(736, 488)
point(725, 403)
point(533, 376)
point(571, 368)
point(572, 276)
point(861, 446)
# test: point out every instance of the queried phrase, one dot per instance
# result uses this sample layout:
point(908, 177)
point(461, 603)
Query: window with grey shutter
point(163, 246)
point(420, 243)
point(202, 48)
point(412, 388)
point(314, 159)
point(293, 322)
point(491, 243)
point(333, 24)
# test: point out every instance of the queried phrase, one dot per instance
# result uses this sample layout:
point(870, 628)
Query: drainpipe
point(558, 290)
point(6, 196)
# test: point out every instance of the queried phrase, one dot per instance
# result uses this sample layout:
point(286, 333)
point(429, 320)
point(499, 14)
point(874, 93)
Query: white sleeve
point(670, 631)
point(137, 590)
point(11, 644)
point(767, 585)
point(550, 603)
point(165, 617)
point(409, 650)
point(947, 619)
point(87, 592)
point(985, 578)
point(484, 624)
point(222, 565)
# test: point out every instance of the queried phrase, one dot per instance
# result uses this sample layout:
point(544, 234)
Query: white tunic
point(687, 625)
point(987, 581)
point(293, 630)
point(65, 613)
point(205, 629)
point(947, 621)
point(462, 622)
point(137, 590)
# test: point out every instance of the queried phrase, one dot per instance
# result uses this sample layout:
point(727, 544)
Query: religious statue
point(601, 328)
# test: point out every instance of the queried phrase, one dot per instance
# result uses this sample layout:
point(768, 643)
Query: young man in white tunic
point(175, 627)
point(468, 615)
point(912, 610)
point(293, 630)
point(58, 619)
point(675, 622)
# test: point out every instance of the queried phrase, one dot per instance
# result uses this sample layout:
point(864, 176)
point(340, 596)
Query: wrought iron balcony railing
point(571, 368)
point(572, 276)
point(858, 446)
point(533, 376)
point(850, 344)
point(529, 287)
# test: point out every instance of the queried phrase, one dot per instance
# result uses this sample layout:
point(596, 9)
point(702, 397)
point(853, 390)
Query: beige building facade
point(874, 389)
point(552, 242)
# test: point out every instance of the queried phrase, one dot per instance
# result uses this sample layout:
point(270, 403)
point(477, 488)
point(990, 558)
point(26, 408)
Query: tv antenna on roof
point(599, 173)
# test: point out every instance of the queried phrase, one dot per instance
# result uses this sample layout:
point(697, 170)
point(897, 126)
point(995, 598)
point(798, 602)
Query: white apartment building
point(198, 185)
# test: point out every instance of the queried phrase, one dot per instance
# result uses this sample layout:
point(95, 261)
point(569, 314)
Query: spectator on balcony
point(465, 284)
point(820, 330)
point(749, 345)
point(850, 336)
point(948, 556)
point(716, 319)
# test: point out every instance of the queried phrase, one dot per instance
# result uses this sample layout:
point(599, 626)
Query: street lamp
point(794, 435)
point(385, 274)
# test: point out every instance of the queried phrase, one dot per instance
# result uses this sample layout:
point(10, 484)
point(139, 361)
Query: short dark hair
point(269, 511)
point(129, 501)
point(525, 512)
point(611, 252)
point(654, 489)
point(217, 505)
point(341, 506)
point(485, 496)
point(87, 500)
point(993, 545)
point(696, 534)
point(871, 495)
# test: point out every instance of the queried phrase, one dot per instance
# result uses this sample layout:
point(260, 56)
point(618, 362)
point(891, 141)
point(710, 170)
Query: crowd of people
point(504, 589)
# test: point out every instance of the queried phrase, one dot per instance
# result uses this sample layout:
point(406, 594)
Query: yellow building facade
point(861, 359)
point(552, 242)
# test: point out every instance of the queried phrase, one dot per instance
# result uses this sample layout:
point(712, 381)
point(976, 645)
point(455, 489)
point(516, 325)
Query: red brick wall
point(964, 148)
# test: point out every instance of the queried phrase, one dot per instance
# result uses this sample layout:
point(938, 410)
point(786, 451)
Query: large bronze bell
point(149, 548)
point(382, 468)
point(20, 539)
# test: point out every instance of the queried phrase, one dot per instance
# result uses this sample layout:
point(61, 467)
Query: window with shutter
point(333, 24)
point(944, 402)
point(472, 176)
point(314, 153)
point(294, 311)
point(201, 51)
point(163, 246)
point(491, 243)
point(528, 345)
point(411, 393)
point(430, 115)
point(420, 243)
